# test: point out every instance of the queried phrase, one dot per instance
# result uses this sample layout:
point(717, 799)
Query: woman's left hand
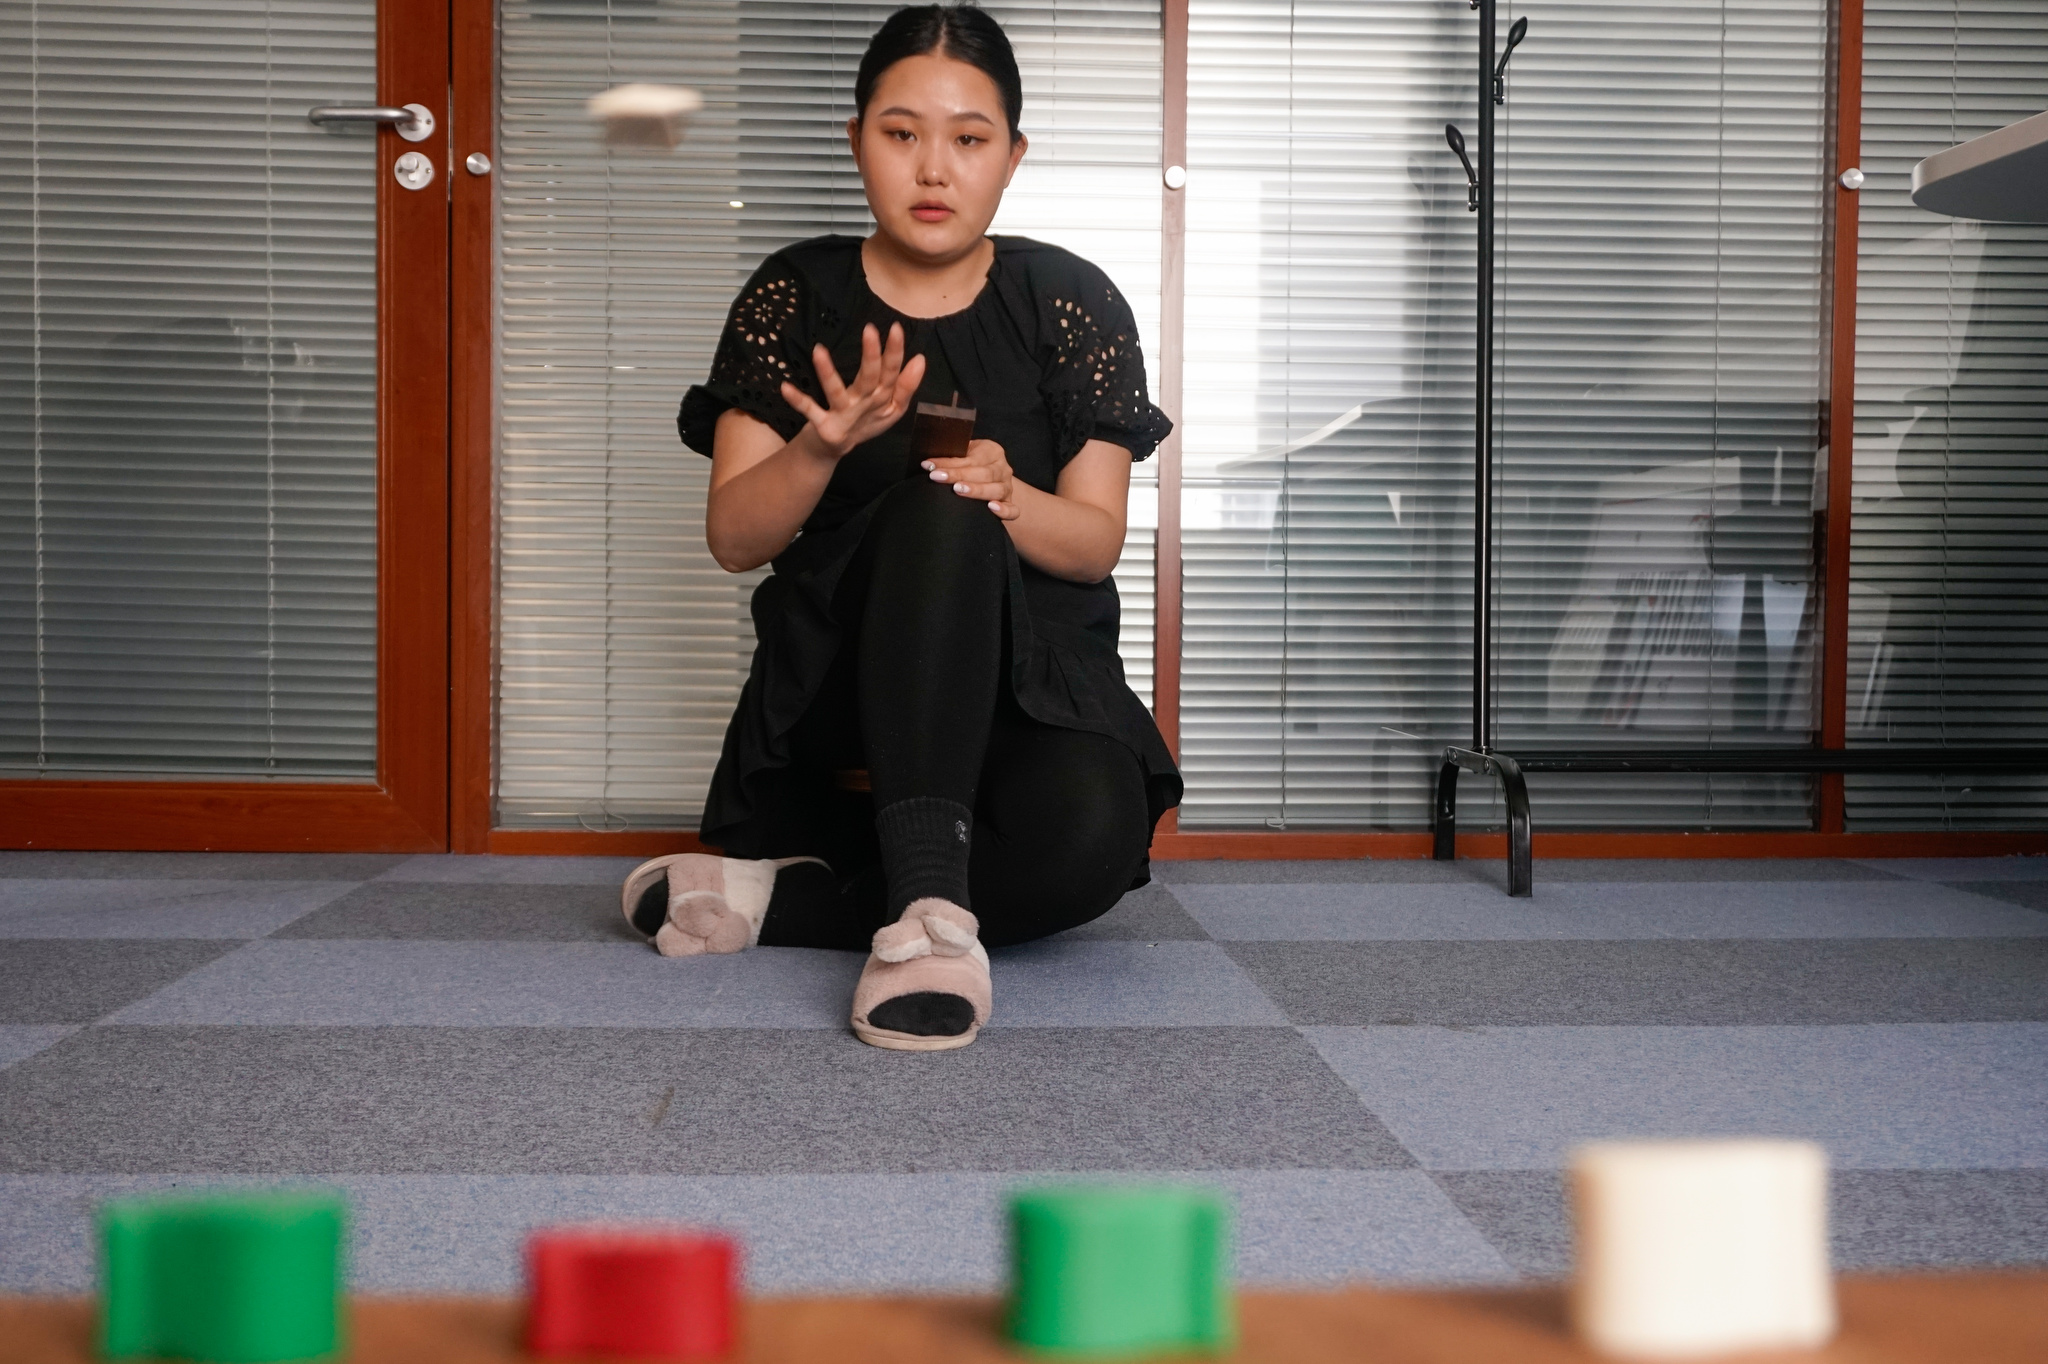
point(983, 474)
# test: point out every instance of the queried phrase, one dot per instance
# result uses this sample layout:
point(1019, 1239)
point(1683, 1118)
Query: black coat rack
point(1481, 756)
point(1493, 90)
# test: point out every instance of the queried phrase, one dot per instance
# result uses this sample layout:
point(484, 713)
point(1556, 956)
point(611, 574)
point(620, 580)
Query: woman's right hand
point(876, 399)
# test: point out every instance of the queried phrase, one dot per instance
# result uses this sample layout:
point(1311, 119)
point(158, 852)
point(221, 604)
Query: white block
point(1691, 1248)
point(645, 115)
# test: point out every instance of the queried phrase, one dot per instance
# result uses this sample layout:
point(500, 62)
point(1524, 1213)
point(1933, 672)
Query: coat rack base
point(1511, 770)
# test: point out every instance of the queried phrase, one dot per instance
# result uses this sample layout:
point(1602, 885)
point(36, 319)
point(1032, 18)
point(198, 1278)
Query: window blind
point(1658, 337)
point(1949, 575)
point(622, 644)
point(187, 390)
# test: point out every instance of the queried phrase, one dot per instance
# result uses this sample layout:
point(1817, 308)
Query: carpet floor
point(1385, 1064)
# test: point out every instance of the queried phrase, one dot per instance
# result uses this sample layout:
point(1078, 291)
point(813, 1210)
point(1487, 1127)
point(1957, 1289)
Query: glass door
point(223, 416)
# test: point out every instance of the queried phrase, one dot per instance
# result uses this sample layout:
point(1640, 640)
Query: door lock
point(413, 170)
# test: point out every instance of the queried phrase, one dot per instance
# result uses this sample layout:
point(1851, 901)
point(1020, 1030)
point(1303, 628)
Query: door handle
point(413, 122)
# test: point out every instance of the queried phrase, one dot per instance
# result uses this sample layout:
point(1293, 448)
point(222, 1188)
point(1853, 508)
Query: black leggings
point(919, 696)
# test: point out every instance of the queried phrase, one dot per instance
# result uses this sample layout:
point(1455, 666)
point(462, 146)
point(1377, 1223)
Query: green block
point(230, 1278)
point(1121, 1271)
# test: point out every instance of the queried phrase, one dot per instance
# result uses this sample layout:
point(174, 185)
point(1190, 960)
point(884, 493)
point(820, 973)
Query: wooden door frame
point(406, 808)
point(473, 431)
point(476, 64)
point(1838, 411)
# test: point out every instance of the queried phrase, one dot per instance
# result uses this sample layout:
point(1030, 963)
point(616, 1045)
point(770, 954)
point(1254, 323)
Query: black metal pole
point(1482, 482)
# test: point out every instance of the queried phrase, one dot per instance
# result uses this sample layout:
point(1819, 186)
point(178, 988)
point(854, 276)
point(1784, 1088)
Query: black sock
point(925, 841)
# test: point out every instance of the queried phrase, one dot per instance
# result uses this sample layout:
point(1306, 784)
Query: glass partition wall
point(1659, 338)
point(1658, 327)
point(622, 645)
point(1948, 602)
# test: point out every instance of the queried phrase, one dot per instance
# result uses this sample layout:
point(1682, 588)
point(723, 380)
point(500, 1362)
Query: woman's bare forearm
point(762, 487)
point(1064, 537)
point(752, 516)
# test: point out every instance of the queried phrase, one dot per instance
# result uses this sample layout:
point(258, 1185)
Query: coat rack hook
point(1456, 140)
point(1519, 31)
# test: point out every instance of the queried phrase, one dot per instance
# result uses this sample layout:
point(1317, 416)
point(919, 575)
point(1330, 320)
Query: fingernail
point(927, 464)
point(938, 475)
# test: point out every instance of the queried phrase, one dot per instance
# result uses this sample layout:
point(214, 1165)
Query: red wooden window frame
point(406, 808)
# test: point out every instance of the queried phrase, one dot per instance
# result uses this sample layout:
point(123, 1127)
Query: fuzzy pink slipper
point(710, 904)
point(926, 984)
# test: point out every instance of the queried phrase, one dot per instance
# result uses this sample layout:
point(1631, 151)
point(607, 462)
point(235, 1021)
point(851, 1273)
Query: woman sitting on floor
point(942, 631)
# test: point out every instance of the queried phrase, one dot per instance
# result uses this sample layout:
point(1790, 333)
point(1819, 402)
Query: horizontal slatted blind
point(1948, 609)
point(622, 645)
point(1658, 342)
point(187, 390)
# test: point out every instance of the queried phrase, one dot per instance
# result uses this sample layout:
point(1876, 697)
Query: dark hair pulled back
point(962, 32)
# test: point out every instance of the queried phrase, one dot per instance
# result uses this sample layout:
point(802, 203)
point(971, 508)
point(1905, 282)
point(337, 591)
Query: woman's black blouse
point(1047, 355)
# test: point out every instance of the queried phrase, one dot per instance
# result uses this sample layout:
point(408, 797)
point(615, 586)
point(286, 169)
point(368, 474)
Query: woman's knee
point(1101, 824)
point(1022, 900)
point(1059, 842)
point(1081, 790)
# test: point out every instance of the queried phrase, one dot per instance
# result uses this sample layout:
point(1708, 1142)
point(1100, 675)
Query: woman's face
point(935, 155)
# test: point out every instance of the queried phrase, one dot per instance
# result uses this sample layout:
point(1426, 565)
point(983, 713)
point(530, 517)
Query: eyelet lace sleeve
point(1095, 382)
point(764, 342)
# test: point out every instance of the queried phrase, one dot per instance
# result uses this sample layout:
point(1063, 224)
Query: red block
point(645, 1295)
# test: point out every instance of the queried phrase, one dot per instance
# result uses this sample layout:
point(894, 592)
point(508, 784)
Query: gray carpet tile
point(368, 982)
point(1147, 914)
point(1605, 910)
point(1492, 871)
point(1630, 983)
point(470, 1046)
point(1329, 1226)
point(613, 1101)
point(1521, 1213)
point(1955, 869)
point(489, 869)
point(1350, 871)
point(1878, 1219)
point(467, 911)
point(79, 980)
point(2027, 894)
point(153, 866)
point(35, 907)
point(1124, 985)
point(1642, 870)
point(508, 984)
point(1916, 1096)
point(18, 1041)
point(1945, 1219)
point(934, 1231)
